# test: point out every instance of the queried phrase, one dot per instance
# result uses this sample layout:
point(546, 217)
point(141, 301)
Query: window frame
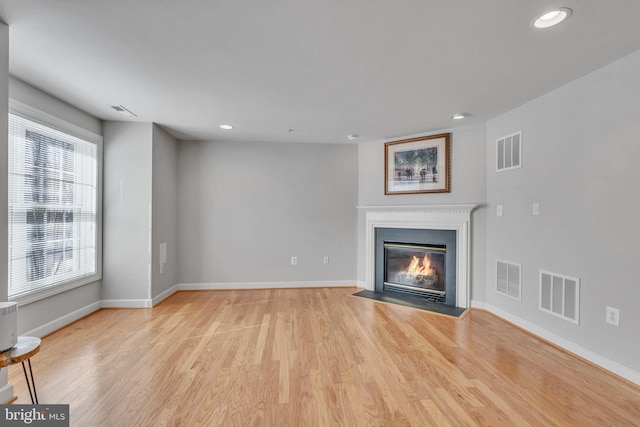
point(29, 113)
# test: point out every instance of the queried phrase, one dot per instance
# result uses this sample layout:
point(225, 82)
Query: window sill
point(48, 292)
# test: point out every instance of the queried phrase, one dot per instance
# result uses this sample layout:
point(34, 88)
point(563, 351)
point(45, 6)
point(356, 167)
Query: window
point(53, 209)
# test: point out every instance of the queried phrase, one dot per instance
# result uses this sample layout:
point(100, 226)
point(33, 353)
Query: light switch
point(499, 210)
point(536, 208)
point(163, 253)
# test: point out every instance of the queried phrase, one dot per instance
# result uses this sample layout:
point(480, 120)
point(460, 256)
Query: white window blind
point(53, 202)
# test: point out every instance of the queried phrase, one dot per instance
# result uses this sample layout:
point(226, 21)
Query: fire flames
point(419, 271)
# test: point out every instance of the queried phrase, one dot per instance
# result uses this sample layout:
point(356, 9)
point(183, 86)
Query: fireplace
point(446, 226)
point(418, 262)
point(415, 269)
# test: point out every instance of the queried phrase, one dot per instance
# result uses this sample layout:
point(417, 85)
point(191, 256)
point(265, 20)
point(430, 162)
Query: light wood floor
point(307, 357)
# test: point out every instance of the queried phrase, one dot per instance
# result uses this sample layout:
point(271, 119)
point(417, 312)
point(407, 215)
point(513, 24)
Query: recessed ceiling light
point(226, 127)
point(352, 136)
point(553, 17)
point(459, 116)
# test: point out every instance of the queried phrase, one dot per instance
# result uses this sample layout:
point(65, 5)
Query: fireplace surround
point(456, 218)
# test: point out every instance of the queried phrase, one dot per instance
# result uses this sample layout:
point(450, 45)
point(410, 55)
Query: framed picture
point(417, 165)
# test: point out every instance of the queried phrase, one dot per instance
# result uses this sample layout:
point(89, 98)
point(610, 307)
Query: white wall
point(467, 186)
point(581, 159)
point(165, 212)
point(246, 208)
point(126, 275)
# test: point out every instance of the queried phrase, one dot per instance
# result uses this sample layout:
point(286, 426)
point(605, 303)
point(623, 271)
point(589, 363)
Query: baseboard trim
point(164, 295)
point(265, 285)
point(595, 358)
point(126, 303)
point(63, 321)
point(478, 304)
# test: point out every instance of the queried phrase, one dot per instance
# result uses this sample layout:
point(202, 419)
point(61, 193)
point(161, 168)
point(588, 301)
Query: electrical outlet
point(325, 260)
point(613, 316)
point(499, 210)
point(294, 260)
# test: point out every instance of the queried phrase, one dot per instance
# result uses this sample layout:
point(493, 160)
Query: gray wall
point(467, 186)
point(581, 159)
point(245, 208)
point(165, 211)
point(126, 211)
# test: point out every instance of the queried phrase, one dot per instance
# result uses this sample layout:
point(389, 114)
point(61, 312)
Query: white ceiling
point(325, 68)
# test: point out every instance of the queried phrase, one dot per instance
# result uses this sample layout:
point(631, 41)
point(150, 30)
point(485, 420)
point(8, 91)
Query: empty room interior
point(322, 213)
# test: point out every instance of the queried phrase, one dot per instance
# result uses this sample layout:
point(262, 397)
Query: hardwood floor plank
point(315, 357)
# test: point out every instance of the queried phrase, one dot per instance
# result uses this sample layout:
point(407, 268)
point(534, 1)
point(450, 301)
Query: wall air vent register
point(508, 279)
point(509, 152)
point(560, 296)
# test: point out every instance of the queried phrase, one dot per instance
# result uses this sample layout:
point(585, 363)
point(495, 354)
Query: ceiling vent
point(123, 110)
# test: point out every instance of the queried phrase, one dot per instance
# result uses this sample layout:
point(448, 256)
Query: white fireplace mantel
point(437, 217)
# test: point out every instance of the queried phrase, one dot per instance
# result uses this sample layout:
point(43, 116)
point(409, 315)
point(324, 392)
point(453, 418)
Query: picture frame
point(418, 165)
